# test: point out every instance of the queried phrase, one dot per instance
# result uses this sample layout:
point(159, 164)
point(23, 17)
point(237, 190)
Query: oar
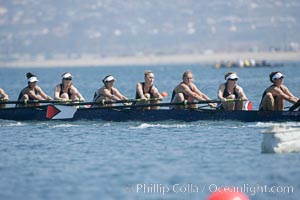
point(31, 101)
point(184, 103)
point(72, 103)
point(75, 102)
point(205, 106)
point(122, 101)
point(295, 106)
point(247, 105)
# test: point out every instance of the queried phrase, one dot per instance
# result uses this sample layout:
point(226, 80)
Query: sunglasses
point(233, 79)
point(68, 79)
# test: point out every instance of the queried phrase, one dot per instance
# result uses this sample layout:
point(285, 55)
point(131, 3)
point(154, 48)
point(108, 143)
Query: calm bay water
point(136, 160)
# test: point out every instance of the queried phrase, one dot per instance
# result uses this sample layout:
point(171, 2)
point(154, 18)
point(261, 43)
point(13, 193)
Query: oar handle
point(34, 101)
point(142, 105)
point(233, 100)
point(71, 102)
point(295, 106)
point(128, 101)
point(184, 103)
point(122, 101)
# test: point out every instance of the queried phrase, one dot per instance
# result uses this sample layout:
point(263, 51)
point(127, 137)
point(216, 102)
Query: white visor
point(109, 78)
point(277, 76)
point(33, 79)
point(232, 76)
point(67, 75)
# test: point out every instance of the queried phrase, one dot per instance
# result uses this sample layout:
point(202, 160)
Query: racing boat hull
point(71, 113)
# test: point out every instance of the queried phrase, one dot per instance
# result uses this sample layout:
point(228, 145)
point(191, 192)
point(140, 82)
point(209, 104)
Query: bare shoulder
point(72, 87)
point(114, 89)
point(25, 90)
point(182, 85)
point(239, 87)
point(193, 86)
point(154, 88)
point(271, 88)
point(277, 90)
point(104, 89)
point(38, 88)
point(101, 89)
point(284, 87)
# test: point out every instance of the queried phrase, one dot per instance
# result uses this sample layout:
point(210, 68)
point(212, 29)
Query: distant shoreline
point(90, 61)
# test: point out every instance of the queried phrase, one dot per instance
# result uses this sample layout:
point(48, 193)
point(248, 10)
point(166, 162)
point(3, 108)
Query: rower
point(146, 90)
point(108, 92)
point(274, 96)
point(231, 94)
point(32, 92)
point(66, 91)
point(3, 97)
point(188, 91)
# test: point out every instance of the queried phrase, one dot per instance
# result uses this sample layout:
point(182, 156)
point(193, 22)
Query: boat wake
point(165, 126)
point(281, 139)
point(9, 123)
point(272, 124)
point(63, 125)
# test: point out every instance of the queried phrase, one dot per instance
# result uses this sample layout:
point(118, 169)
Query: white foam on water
point(272, 124)
point(76, 125)
point(64, 125)
point(281, 139)
point(106, 124)
point(13, 124)
point(147, 125)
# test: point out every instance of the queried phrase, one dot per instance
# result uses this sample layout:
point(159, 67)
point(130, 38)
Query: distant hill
point(144, 27)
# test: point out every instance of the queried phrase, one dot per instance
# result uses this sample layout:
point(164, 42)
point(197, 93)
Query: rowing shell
point(61, 112)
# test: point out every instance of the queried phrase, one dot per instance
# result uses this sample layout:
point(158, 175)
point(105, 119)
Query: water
point(109, 160)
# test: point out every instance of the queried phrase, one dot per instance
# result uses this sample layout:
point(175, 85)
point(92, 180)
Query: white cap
point(32, 79)
point(277, 76)
point(108, 78)
point(67, 75)
point(232, 76)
